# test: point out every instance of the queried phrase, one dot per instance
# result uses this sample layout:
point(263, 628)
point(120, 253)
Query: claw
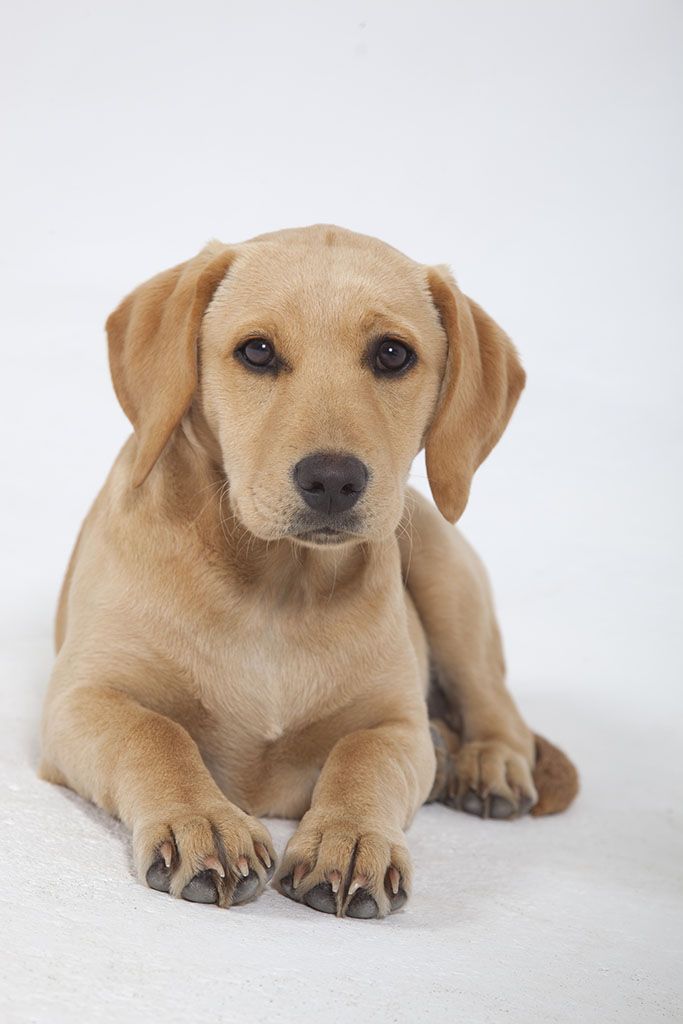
point(399, 900)
point(334, 878)
point(263, 854)
point(358, 883)
point(243, 866)
point(213, 864)
point(394, 879)
point(299, 871)
point(245, 889)
point(166, 851)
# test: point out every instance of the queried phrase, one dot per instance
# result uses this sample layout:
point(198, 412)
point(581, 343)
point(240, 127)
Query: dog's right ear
point(153, 349)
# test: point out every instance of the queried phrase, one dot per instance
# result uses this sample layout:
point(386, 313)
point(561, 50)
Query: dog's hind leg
point(554, 775)
point(488, 761)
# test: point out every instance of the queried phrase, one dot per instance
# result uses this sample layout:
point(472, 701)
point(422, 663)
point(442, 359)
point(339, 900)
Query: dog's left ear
point(153, 349)
point(483, 380)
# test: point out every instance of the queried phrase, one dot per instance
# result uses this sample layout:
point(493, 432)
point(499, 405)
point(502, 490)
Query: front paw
point(339, 867)
point(216, 854)
point(491, 780)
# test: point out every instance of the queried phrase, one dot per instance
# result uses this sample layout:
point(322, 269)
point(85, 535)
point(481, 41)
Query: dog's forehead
point(323, 276)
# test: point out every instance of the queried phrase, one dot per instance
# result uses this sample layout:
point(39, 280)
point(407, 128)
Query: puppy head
point(321, 361)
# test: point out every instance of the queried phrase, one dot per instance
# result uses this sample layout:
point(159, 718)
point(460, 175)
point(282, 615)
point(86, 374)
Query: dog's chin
point(324, 536)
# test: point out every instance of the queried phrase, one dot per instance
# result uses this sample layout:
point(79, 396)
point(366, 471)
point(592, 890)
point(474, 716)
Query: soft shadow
point(104, 821)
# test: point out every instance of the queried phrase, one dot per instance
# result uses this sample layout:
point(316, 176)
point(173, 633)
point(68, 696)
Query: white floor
point(577, 918)
point(537, 148)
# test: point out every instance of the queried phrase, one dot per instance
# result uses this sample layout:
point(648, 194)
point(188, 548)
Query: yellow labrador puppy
point(258, 612)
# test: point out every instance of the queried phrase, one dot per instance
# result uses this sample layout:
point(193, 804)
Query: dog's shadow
point(409, 919)
point(104, 821)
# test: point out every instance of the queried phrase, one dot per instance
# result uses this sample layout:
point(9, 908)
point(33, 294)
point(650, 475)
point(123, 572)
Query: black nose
point(330, 483)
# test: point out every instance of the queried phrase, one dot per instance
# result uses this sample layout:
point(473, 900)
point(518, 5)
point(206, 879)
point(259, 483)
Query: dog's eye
point(392, 356)
point(257, 352)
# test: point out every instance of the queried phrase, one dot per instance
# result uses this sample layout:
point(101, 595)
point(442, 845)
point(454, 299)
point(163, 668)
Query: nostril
point(330, 482)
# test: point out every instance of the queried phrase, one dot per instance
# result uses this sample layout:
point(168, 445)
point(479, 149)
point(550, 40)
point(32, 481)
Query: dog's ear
point(153, 349)
point(482, 382)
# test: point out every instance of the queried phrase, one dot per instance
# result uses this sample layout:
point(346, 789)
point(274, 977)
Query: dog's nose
point(330, 483)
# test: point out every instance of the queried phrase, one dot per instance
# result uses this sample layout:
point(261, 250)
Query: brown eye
point(392, 356)
point(257, 352)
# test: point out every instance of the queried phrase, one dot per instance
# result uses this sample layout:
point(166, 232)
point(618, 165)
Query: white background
point(536, 147)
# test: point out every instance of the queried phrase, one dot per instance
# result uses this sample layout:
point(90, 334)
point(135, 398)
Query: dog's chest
point(278, 669)
point(285, 687)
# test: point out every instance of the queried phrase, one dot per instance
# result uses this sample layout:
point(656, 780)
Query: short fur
point(218, 660)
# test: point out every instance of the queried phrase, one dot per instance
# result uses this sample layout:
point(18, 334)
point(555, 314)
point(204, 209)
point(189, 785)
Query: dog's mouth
point(323, 535)
point(319, 531)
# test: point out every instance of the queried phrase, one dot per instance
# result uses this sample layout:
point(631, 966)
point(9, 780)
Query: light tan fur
point(213, 667)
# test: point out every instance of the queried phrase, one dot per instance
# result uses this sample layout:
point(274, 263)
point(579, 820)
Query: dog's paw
point(491, 780)
point(338, 867)
point(214, 855)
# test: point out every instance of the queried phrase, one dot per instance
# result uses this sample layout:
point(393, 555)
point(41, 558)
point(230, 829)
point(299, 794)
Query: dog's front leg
point(348, 856)
point(188, 839)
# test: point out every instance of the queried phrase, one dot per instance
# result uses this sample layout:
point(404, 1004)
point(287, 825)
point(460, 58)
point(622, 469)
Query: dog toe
point(201, 889)
point(246, 888)
point(490, 780)
point(398, 901)
point(501, 808)
point(287, 888)
point(472, 804)
point(159, 876)
point(362, 905)
point(322, 898)
point(525, 805)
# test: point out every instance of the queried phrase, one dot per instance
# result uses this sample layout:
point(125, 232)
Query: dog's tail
point(555, 777)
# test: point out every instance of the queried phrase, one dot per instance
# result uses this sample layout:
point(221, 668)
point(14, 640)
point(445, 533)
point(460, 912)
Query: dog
point(260, 618)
